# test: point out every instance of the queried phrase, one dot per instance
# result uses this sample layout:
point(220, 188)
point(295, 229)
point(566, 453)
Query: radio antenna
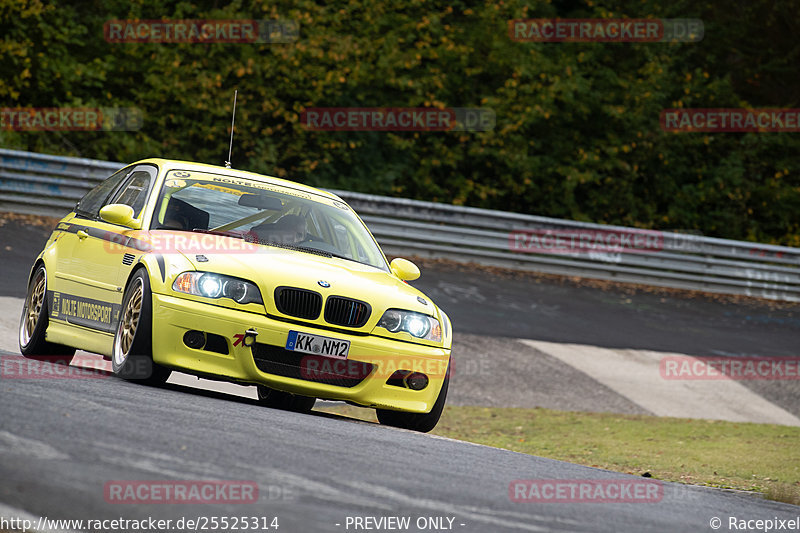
point(233, 119)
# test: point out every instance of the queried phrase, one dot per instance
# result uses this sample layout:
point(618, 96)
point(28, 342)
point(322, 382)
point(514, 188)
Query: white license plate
point(317, 345)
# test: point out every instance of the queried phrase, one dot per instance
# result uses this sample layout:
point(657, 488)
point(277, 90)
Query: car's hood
point(271, 267)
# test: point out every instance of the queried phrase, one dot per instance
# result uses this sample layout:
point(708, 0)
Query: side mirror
point(119, 214)
point(404, 269)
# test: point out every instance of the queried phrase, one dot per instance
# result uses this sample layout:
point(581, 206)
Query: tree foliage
point(577, 133)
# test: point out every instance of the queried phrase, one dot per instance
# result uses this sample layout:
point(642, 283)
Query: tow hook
point(250, 337)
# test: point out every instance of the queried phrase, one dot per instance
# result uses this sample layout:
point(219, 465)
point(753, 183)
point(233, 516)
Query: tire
point(284, 400)
point(132, 355)
point(422, 422)
point(34, 321)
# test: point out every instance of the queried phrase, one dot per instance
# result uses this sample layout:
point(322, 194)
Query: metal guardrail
point(50, 185)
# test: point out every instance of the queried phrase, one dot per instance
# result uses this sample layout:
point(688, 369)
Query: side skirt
point(89, 340)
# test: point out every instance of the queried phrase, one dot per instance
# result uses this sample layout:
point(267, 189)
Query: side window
point(136, 189)
point(92, 201)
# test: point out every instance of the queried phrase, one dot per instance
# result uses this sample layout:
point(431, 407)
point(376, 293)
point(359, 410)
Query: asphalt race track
point(62, 441)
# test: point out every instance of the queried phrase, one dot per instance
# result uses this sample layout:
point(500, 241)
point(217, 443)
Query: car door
point(89, 275)
point(74, 230)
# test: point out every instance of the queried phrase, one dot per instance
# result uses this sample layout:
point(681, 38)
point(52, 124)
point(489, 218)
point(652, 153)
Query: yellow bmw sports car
point(229, 275)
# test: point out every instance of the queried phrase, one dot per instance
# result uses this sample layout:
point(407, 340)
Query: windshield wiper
point(322, 252)
point(235, 235)
point(307, 249)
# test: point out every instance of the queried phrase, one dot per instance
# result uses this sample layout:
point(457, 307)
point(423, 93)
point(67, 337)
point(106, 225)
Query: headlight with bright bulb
point(210, 286)
point(415, 324)
point(217, 286)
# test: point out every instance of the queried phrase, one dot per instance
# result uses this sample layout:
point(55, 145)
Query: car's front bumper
point(174, 316)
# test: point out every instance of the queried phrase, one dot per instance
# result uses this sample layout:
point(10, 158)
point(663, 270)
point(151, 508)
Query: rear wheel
point(33, 324)
point(423, 422)
point(284, 400)
point(132, 357)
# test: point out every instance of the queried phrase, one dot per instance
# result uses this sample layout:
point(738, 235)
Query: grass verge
point(764, 458)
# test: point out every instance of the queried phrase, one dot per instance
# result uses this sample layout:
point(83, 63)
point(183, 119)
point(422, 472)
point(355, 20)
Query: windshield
point(265, 213)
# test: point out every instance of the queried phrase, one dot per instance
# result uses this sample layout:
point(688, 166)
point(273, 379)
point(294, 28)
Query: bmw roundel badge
point(323, 283)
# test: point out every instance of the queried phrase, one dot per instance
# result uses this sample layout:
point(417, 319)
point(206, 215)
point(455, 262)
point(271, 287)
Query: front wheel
point(34, 321)
point(422, 422)
point(132, 357)
point(284, 400)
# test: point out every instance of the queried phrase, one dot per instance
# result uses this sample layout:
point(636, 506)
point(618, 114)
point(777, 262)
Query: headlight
point(415, 324)
point(217, 286)
point(210, 286)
